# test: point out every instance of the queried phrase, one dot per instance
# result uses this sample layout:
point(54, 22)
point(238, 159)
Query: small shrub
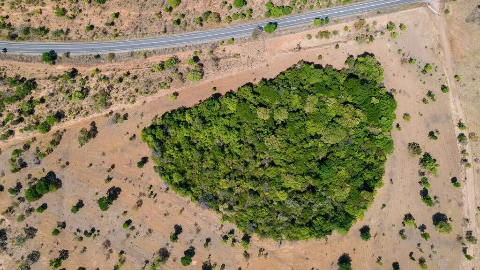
point(270, 28)
point(429, 163)
point(414, 149)
point(406, 117)
point(344, 262)
point(462, 138)
point(365, 233)
point(440, 221)
point(49, 57)
point(409, 220)
point(425, 236)
point(445, 89)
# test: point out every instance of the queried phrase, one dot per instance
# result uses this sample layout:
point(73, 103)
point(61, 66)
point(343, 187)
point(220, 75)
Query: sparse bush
point(429, 163)
point(407, 117)
point(425, 236)
point(409, 220)
point(414, 149)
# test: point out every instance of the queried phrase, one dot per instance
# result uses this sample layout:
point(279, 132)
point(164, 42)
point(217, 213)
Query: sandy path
point(469, 189)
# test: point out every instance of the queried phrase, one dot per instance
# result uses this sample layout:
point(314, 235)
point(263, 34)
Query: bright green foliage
point(440, 221)
point(429, 163)
point(432, 135)
point(294, 157)
point(187, 259)
point(425, 236)
point(470, 237)
point(390, 26)
point(174, 3)
point(44, 185)
point(461, 126)
point(195, 75)
point(428, 67)
point(422, 263)
point(60, 12)
point(127, 224)
point(171, 62)
point(426, 198)
point(112, 194)
point(239, 3)
point(409, 220)
point(368, 68)
point(424, 181)
point(49, 57)
point(270, 28)
point(462, 138)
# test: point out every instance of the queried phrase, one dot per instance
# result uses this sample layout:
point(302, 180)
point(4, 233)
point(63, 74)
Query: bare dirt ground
point(155, 219)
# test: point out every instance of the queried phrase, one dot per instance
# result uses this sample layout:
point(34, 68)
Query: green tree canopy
point(294, 157)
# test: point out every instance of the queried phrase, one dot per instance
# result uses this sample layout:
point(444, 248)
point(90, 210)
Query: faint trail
point(468, 189)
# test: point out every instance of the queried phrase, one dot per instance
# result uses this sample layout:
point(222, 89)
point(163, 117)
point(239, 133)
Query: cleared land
point(161, 209)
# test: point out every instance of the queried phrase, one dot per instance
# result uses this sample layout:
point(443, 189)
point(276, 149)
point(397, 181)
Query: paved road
point(201, 36)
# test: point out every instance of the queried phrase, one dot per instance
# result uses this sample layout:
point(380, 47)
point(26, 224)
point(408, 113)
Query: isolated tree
point(49, 57)
point(174, 3)
point(239, 3)
point(440, 221)
point(344, 262)
point(429, 163)
point(365, 233)
point(270, 28)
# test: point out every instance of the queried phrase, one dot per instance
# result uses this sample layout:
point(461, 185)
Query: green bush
point(48, 183)
point(239, 3)
point(365, 233)
point(302, 155)
point(270, 28)
point(174, 3)
point(440, 221)
point(49, 57)
point(112, 194)
point(429, 163)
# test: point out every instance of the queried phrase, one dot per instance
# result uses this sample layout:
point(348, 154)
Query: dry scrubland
point(154, 209)
point(117, 19)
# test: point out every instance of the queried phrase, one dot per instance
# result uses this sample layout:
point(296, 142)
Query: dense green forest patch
point(294, 157)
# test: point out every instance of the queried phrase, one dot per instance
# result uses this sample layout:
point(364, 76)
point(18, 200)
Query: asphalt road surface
point(200, 36)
